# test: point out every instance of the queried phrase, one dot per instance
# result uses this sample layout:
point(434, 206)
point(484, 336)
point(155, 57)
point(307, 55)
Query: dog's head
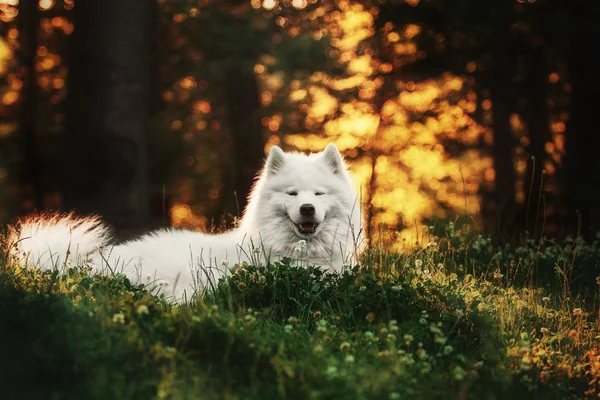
point(309, 196)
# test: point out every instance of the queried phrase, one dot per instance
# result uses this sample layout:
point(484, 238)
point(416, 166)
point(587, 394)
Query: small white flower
point(525, 362)
point(435, 330)
point(418, 263)
point(459, 373)
point(142, 309)
point(224, 263)
point(118, 318)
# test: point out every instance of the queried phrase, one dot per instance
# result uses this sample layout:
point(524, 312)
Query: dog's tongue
point(307, 226)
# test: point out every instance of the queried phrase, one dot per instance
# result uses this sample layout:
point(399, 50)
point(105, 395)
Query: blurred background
point(160, 113)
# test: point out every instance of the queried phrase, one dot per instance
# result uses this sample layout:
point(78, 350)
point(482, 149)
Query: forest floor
point(457, 318)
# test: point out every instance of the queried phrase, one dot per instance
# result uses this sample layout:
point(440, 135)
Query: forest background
point(160, 113)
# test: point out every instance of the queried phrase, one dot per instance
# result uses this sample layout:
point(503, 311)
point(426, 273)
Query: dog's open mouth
point(307, 227)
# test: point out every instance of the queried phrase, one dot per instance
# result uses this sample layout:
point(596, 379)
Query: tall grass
point(456, 317)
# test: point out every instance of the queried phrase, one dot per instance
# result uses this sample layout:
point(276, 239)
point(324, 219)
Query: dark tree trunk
point(109, 99)
point(583, 136)
point(29, 179)
point(536, 117)
point(500, 207)
point(248, 144)
point(160, 146)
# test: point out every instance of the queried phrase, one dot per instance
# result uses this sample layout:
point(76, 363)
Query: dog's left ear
point(333, 158)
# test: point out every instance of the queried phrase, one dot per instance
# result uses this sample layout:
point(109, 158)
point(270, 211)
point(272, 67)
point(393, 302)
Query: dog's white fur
point(189, 261)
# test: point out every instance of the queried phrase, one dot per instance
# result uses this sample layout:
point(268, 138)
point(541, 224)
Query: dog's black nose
point(308, 210)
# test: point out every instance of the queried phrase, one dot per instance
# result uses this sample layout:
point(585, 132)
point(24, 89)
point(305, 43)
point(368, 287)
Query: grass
point(457, 318)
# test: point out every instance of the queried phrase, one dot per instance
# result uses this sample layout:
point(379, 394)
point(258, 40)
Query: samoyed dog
point(302, 207)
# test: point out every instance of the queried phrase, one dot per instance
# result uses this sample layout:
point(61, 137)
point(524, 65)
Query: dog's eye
point(319, 194)
point(292, 193)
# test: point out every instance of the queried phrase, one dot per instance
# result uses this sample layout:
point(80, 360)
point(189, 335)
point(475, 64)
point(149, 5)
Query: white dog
point(301, 207)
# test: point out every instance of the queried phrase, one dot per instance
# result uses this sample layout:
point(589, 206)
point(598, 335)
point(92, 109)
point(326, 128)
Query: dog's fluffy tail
point(51, 241)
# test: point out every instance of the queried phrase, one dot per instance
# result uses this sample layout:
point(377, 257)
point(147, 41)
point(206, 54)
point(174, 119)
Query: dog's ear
point(333, 158)
point(275, 161)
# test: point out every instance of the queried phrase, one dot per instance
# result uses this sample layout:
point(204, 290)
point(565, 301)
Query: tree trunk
point(583, 137)
point(29, 180)
point(499, 78)
point(537, 119)
point(501, 206)
point(247, 139)
point(109, 105)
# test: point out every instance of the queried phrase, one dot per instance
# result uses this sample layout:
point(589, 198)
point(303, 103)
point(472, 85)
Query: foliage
point(445, 320)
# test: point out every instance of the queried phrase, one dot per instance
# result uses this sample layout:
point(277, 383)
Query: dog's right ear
point(275, 161)
point(333, 158)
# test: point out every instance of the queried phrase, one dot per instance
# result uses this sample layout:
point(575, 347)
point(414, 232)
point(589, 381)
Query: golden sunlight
point(401, 153)
point(269, 4)
point(5, 56)
point(46, 4)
